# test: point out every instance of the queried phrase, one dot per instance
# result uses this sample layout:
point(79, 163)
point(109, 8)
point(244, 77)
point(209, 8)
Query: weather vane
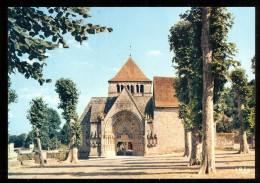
point(130, 49)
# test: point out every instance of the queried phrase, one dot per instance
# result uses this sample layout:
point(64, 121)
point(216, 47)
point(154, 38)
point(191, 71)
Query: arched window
point(118, 88)
point(132, 89)
point(128, 87)
point(142, 89)
point(122, 87)
point(137, 88)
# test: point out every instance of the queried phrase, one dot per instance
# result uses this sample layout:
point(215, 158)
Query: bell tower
point(130, 77)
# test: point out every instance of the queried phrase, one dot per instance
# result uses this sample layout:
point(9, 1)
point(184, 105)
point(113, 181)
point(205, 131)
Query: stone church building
point(139, 117)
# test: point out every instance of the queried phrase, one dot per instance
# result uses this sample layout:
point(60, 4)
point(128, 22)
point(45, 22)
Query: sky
point(92, 64)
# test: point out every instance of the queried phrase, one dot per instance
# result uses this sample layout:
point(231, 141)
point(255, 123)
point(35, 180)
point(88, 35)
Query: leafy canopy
point(239, 83)
point(12, 96)
point(33, 30)
point(253, 64)
point(185, 41)
point(37, 112)
point(68, 95)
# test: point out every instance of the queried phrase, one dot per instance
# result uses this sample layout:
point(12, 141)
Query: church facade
point(139, 117)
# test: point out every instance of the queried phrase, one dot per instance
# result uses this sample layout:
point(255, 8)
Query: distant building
point(132, 120)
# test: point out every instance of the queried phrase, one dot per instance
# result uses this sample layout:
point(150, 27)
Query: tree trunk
point(40, 147)
point(187, 151)
point(195, 158)
point(208, 139)
point(242, 130)
point(73, 151)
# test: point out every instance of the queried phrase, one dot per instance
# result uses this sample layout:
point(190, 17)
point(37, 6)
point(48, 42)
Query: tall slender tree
point(239, 83)
point(36, 115)
point(222, 56)
point(180, 40)
point(68, 95)
point(208, 145)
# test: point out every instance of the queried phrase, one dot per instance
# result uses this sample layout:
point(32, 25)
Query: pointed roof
point(130, 72)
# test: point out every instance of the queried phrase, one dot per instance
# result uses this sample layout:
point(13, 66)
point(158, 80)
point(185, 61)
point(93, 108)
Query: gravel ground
point(229, 164)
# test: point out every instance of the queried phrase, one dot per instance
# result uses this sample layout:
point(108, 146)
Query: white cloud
point(51, 100)
point(48, 54)
point(84, 63)
point(114, 69)
point(84, 45)
point(154, 52)
point(29, 61)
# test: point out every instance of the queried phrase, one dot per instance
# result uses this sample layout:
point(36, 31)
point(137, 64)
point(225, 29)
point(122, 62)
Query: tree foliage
point(69, 95)
point(37, 112)
point(32, 31)
point(18, 140)
point(64, 136)
point(253, 64)
point(239, 83)
point(184, 40)
point(48, 131)
point(12, 96)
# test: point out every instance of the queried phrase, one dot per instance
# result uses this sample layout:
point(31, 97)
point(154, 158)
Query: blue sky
point(92, 64)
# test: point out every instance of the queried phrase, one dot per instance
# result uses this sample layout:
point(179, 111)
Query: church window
point(128, 87)
point(142, 89)
point(122, 87)
point(132, 89)
point(118, 88)
point(137, 88)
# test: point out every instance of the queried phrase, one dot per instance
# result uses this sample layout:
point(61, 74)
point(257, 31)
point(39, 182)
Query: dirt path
point(229, 164)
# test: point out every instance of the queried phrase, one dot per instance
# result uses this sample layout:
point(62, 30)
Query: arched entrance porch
point(125, 135)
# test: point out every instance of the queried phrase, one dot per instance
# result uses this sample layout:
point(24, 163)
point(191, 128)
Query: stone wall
point(60, 156)
point(24, 157)
point(169, 131)
point(225, 141)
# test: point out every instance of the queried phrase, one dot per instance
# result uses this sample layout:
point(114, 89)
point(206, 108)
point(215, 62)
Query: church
point(139, 117)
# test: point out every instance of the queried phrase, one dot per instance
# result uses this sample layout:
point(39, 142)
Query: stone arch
point(123, 126)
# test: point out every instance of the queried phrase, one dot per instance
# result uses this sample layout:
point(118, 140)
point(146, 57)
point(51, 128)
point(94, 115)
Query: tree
point(68, 95)
point(51, 127)
point(36, 115)
point(18, 140)
point(29, 28)
point(12, 96)
point(30, 139)
point(208, 146)
point(180, 42)
point(222, 53)
point(48, 132)
point(63, 136)
point(253, 64)
point(239, 84)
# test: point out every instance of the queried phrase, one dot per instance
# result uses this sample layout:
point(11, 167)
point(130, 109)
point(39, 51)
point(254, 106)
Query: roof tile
point(164, 92)
point(130, 72)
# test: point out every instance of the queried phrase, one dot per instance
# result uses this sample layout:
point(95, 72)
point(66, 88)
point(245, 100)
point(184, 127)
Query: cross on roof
point(130, 49)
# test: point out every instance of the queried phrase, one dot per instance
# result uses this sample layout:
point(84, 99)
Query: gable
point(124, 101)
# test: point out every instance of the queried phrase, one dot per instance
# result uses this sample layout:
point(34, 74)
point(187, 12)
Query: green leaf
point(48, 80)
point(28, 41)
point(54, 38)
